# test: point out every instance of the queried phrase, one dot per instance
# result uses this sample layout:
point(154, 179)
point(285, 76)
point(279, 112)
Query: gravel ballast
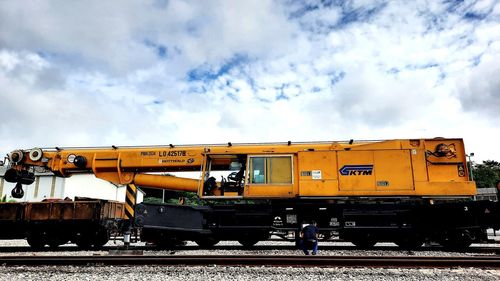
point(152, 273)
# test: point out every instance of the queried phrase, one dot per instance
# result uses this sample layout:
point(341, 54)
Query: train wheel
point(409, 244)
point(457, 240)
point(84, 244)
point(55, 244)
point(364, 244)
point(101, 238)
point(168, 244)
point(55, 239)
point(36, 240)
point(83, 241)
point(207, 242)
point(248, 242)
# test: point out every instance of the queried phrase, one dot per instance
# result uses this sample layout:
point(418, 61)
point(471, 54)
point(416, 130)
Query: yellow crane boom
point(430, 168)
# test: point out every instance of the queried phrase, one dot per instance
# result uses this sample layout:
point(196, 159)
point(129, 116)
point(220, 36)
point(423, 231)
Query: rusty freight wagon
point(86, 222)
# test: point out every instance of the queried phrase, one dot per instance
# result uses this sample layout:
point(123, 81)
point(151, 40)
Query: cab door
point(269, 176)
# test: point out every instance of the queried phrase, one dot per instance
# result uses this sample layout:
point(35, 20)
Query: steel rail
point(248, 260)
point(71, 248)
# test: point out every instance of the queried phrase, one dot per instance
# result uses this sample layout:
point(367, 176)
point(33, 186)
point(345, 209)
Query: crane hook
point(17, 191)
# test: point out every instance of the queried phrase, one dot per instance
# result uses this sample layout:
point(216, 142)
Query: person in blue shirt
point(309, 235)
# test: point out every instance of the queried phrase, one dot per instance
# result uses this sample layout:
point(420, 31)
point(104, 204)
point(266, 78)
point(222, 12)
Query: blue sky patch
point(336, 77)
point(159, 49)
point(208, 73)
point(359, 15)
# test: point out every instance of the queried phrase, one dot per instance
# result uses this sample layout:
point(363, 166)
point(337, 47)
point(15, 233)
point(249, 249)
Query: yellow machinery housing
point(434, 168)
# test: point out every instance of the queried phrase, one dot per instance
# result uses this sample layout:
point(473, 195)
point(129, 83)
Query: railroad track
point(69, 248)
point(246, 260)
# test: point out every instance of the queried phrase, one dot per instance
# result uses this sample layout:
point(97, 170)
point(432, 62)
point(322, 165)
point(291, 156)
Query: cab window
point(271, 170)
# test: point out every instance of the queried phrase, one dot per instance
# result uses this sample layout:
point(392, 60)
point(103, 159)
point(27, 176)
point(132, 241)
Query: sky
point(101, 73)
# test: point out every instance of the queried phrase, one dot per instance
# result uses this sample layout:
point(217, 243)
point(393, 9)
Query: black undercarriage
point(406, 222)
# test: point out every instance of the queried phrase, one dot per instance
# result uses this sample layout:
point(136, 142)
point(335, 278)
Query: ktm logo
point(356, 170)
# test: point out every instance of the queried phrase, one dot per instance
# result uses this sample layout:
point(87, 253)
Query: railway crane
point(405, 191)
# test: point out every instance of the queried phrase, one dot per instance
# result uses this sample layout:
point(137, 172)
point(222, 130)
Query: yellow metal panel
point(279, 169)
point(364, 182)
point(376, 193)
point(419, 164)
point(392, 170)
point(269, 190)
point(326, 163)
point(318, 160)
point(446, 168)
point(441, 173)
point(445, 188)
point(318, 187)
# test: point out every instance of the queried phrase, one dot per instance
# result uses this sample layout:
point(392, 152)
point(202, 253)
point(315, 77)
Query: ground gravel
point(152, 273)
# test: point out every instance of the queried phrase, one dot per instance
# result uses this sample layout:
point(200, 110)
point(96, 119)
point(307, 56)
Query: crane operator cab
point(247, 176)
point(224, 175)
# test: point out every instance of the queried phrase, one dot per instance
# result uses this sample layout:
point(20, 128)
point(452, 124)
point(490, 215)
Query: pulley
point(35, 154)
point(16, 156)
point(19, 176)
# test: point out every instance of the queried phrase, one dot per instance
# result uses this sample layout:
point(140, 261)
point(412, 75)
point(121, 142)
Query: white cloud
point(102, 73)
point(480, 91)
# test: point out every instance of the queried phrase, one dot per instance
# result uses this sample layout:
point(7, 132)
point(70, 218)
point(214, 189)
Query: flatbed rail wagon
point(86, 222)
